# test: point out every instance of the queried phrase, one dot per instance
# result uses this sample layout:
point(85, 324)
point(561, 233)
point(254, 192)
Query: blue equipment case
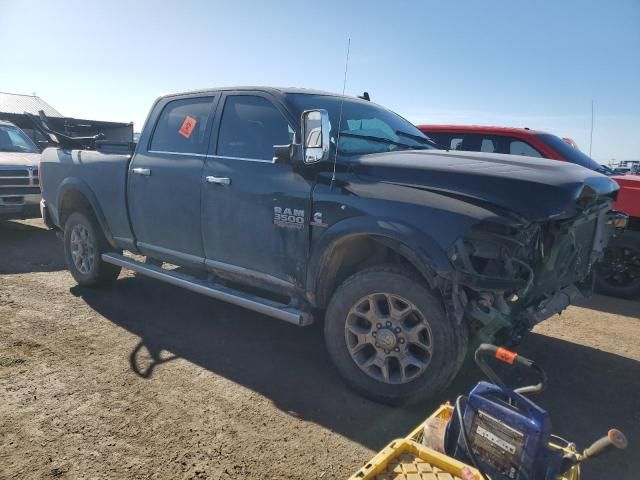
point(509, 435)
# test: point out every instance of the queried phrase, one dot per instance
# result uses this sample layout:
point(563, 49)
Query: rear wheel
point(619, 273)
point(84, 244)
point(390, 337)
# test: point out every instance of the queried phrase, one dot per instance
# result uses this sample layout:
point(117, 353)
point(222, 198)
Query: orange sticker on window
point(506, 356)
point(187, 126)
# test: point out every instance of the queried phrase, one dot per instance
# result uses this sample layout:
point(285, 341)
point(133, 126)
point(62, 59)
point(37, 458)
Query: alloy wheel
point(82, 249)
point(388, 338)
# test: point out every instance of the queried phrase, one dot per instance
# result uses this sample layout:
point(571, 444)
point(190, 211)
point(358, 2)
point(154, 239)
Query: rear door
point(164, 185)
point(255, 213)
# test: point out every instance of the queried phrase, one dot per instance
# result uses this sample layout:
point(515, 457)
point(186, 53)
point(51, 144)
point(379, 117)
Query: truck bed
point(98, 175)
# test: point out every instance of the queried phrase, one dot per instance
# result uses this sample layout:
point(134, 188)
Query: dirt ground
point(144, 380)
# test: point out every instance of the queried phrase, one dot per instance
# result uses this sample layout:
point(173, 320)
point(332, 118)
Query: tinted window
point(250, 127)
point(182, 125)
point(518, 147)
point(569, 153)
point(456, 143)
point(488, 145)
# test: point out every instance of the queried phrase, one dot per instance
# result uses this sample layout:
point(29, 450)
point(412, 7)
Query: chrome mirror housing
point(316, 135)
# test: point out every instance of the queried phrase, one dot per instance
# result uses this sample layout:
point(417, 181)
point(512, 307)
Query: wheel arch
point(75, 195)
point(354, 244)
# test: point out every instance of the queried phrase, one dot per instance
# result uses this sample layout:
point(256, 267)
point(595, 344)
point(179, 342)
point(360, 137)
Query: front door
point(255, 213)
point(165, 177)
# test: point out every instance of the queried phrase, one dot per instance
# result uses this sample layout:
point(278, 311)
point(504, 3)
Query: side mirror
point(316, 136)
point(283, 153)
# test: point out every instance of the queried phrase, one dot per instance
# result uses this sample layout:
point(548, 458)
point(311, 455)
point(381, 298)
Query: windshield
point(569, 153)
point(365, 127)
point(12, 139)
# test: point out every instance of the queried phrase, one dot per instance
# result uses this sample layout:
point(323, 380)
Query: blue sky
point(512, 63)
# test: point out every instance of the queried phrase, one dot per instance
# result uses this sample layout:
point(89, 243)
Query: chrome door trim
point(222, 157)
point(246, 272)
point(182, 258)
point(182, 154)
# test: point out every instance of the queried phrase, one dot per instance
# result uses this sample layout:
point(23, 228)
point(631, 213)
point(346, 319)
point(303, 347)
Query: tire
point(421, 353)
point(84, 243)
point(619, 273)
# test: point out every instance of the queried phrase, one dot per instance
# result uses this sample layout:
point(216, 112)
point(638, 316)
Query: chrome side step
point(250, 302)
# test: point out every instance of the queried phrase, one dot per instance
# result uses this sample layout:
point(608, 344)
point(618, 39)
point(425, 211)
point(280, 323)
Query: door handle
point(219, 180)
point(141, 171)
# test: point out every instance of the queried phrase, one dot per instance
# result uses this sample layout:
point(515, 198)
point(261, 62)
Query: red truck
point(619, 274)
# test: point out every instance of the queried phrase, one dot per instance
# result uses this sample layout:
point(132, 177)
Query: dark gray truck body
point(465, 222)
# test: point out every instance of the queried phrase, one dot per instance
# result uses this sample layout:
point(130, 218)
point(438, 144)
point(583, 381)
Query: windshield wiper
point(418, 138)
point(376, 139)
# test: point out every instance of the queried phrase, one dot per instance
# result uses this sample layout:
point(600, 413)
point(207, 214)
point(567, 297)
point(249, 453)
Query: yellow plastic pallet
point(444, 411)
point(404, 459)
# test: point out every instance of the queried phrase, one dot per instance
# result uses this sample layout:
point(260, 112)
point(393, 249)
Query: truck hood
point(536, 189)
point(9, 159)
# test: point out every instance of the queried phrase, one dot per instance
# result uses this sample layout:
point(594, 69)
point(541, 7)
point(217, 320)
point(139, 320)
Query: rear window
point(181, 127)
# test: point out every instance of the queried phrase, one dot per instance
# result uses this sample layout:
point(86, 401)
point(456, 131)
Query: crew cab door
point(255, 213)
point(164, 184)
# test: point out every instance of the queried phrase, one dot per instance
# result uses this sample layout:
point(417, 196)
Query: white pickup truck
point(19, 180)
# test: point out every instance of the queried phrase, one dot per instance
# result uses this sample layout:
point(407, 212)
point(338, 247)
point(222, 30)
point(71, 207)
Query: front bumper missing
point(499, 307)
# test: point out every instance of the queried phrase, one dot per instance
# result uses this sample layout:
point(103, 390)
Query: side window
point(181, 126)
point(250, 127)
point(456, 143)
point(488, 145)
point(518, 147)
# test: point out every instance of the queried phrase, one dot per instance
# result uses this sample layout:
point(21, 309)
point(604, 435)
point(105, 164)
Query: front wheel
point(390, 337)
point(84, 244)
point(618, 274)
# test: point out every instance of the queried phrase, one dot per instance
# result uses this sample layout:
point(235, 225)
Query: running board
point(219, 292)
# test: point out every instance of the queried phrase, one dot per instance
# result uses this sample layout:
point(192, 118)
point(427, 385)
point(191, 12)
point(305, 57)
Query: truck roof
point(479, 129)
point(273, 90)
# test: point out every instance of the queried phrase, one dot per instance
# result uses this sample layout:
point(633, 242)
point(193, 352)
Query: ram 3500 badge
point(287, 217)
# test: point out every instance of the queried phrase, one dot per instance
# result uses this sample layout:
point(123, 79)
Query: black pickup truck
point(303, 205)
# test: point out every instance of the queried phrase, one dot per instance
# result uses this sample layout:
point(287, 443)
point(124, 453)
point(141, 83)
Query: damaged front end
point(510, 275)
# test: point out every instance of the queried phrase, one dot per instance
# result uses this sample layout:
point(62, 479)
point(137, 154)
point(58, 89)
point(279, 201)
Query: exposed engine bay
point(511, 276)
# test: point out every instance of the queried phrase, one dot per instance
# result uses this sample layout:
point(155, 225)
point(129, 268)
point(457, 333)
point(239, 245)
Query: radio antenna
point(344, 85)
